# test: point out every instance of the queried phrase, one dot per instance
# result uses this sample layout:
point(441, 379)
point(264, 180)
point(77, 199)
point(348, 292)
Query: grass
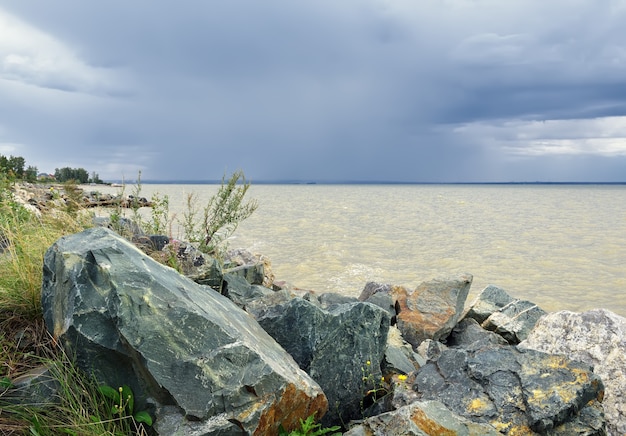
point(79, 408)
point(27, 236)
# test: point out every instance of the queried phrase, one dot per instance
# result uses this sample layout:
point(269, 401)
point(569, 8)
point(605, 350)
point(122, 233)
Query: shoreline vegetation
point(33, 216)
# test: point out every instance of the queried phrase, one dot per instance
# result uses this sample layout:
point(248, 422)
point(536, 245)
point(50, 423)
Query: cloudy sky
point(326, 90)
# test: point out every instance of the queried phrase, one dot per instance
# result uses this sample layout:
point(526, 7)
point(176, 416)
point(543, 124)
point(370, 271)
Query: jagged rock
point(333, 346)
point(469, 335)
point(516, 392)
point(379, 295)
point(597, 337)
point(130, 320)
point(199, 267)
point(509, 317)
point(422, 418)
point(431, 350)
point(431, 310)
point(328, 300)
point(241, 292)
point(490, 300)
point(399, 355)
point(255, 268)
point(372, 288)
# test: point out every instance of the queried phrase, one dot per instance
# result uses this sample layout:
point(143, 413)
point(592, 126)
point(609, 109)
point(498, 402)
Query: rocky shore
point(226, 349)
point(40, 197)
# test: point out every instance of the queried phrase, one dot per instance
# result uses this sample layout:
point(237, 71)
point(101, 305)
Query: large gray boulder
point(597, 337)
point(341, 348)
point(206, 363)
point(515, 392)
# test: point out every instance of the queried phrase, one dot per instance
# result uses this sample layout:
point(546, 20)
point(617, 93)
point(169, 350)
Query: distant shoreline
point(339, 182)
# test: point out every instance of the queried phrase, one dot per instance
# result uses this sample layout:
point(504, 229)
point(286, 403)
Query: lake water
point(560, 246)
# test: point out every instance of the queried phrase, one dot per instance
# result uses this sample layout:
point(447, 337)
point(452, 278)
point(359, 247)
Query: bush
point(221, 216)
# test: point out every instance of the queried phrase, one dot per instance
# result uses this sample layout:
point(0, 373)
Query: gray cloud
point(324, 90)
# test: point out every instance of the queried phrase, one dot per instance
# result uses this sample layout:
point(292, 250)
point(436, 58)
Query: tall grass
point(25, 237)
point(77, 408)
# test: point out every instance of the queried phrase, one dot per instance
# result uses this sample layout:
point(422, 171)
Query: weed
point(221, 216)
point(123, 404)
point(373, 386)
point(308, 427)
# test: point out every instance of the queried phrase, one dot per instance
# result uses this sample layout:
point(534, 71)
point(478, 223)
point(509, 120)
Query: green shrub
point(221, 216)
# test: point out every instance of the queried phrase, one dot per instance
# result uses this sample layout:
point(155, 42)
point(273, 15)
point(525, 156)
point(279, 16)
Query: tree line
point(14, 168)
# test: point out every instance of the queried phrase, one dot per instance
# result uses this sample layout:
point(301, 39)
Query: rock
point(490, 300)
point(399, 355)
point(432, 310)
point(516, 392)
point(597, 337)
point(467, 334)
point(255, 268)
point(130, 320)
point(514, 321)
point(329, 300)
point(241, 292)
point(509, 317)
point(36, 387)
point(252, 274)
point(422, 418)
point(431, 350)
point(199, 267)
point(379, 295)
point(373, 288)
point(333, 347)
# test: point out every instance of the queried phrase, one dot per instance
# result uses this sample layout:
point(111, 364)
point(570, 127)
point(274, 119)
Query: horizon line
point(356, 182)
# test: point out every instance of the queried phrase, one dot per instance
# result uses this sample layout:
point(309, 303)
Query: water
point(560, 246)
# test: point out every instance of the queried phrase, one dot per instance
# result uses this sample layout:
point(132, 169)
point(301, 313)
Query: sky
point(317, 90)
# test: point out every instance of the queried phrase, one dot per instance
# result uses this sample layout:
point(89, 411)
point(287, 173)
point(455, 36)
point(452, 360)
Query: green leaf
point(144, 417)
point(110, 393)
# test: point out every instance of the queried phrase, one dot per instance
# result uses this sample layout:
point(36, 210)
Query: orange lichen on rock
point(293, 405)
point(428, 425)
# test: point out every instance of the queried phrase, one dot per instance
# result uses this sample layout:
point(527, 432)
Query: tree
point(31, 173)
point(16, 164)
point(13, 166)
point(95, 178)
point(79, 175)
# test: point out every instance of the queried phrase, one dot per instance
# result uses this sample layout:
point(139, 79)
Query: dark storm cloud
point(357, 90)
